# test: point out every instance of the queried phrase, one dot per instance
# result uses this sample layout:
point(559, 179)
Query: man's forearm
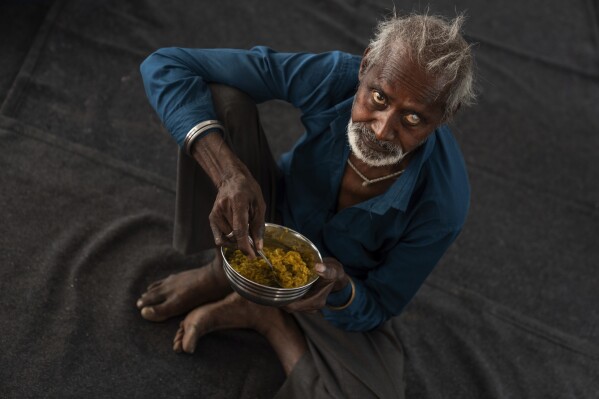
point(216, 158)
point(239, 207)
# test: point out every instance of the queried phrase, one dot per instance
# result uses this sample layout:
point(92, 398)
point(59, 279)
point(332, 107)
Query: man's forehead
point(397, 75)
point(400, 72)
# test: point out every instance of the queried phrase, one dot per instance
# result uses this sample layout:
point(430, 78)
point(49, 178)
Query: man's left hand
point(332, 278)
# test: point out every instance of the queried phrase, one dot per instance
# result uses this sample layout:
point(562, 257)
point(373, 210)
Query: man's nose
point(383, 127)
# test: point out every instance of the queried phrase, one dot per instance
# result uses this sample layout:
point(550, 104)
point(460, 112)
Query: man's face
point(397, 106)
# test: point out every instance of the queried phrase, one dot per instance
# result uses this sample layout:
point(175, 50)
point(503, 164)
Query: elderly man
point(377, 182)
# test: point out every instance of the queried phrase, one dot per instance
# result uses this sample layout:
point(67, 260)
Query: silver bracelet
point(351, 298)
point(197, 130)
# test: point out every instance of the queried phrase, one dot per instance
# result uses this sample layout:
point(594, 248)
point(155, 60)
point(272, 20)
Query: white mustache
point(368, 134)
point(359, 134)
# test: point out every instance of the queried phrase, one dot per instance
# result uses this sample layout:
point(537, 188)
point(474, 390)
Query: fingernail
point(319, 267)
point(139, 303)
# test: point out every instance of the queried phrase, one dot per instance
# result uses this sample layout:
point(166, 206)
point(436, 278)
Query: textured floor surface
point(87, 176)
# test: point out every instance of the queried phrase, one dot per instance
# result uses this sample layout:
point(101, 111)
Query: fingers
point(220, 226)
point(239, 234)
point(257, 224)
point(229, 224)
point(234, 217)
point(327, 273)
point(241, 229)
point(332, 278)
point(313, 301)
point(330, 269)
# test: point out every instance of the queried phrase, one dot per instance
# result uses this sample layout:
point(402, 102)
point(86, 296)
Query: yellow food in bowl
point(291, 269)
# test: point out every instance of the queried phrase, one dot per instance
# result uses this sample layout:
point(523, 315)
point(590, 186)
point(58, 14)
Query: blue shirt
point(388, 244)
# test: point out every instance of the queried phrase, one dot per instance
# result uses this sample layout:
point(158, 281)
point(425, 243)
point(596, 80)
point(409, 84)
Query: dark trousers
point(196, 192)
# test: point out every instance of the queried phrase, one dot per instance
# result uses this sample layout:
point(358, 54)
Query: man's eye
point(378, 98)
point(412, 119)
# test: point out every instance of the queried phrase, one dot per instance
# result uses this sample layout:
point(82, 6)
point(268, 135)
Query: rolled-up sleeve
point(176, 81)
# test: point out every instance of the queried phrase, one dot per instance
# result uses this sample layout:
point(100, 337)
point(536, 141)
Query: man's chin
point(369, 152)
point(374, 148)
point(372, 158)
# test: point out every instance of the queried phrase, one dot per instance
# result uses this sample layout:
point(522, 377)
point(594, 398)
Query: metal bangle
point(351, 298)
point(197, 131)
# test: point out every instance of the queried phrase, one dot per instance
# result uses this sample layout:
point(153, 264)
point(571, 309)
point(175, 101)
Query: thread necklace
point(368, 181)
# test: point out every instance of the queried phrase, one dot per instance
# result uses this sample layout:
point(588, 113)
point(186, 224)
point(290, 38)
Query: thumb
point(324, 271)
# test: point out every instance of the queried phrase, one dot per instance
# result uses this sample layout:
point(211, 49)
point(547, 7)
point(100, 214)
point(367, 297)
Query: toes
point(149, 298)
point(195, 325)
point(162, 311)
point(140, 303)
point(178, 341)
point(186, 338)
point(155, 284)
point(190, 339)
point(154, 313)
point(149, 313)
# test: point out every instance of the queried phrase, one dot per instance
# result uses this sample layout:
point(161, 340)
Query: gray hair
point(437, 45)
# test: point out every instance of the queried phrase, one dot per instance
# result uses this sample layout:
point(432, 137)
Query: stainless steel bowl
point(275, 236)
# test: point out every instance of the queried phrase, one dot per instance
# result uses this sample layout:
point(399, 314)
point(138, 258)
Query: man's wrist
point(341, 284)
point(339, 300)
point(200, 130)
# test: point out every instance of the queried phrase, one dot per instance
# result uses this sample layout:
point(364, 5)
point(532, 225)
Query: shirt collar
point(399, 194)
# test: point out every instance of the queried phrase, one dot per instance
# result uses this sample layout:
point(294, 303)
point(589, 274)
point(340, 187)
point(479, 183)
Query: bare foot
point(235, 312)
point(181, 292)
point(231, 312)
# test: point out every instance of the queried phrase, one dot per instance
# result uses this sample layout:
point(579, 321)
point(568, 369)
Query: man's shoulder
point(332, 58)
point(318, 80)
point(446, 181)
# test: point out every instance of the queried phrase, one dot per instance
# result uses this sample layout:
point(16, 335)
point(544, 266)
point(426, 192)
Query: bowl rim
point(300, 289)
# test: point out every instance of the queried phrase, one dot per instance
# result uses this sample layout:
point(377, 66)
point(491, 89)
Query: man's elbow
point(158, 62)
point(151, 64)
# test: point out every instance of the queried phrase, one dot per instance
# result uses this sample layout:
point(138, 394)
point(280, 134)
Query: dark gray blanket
point(86, 205)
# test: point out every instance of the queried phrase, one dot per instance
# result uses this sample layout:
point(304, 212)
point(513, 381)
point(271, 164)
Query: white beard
point(391, 154)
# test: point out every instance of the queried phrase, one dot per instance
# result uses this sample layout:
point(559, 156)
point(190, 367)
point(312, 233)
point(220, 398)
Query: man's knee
point(232, 104)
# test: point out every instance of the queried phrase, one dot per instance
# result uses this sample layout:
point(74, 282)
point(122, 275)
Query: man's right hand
point(239, 208)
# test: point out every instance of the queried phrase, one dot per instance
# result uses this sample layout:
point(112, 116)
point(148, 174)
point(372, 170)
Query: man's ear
point(364, 62)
